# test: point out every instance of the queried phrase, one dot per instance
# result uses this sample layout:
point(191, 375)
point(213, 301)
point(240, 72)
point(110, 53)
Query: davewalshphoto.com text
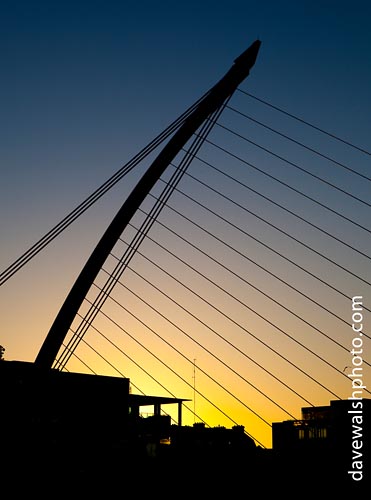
point(356, 469)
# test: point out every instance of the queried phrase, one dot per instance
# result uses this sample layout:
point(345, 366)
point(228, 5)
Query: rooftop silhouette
point(89, 426)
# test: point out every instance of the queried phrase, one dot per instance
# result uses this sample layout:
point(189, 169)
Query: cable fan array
point(245, 256)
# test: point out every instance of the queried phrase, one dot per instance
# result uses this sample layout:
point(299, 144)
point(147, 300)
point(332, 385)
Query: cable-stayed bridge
point(239, 277)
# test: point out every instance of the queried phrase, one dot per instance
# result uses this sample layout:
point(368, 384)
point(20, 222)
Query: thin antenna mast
point(194, 390)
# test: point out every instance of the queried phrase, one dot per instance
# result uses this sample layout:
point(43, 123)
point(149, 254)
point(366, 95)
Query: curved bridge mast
point(212, 101)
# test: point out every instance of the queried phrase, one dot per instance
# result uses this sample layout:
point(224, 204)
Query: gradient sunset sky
point(86, 85)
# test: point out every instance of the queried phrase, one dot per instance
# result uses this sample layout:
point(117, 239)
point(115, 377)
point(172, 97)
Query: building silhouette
point(330, 442)
point(52, 411)
point(85, 428)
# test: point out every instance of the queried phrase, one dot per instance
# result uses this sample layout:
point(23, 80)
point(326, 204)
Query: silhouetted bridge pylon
point(245, 252)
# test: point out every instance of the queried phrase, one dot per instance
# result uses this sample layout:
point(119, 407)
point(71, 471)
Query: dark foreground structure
point(86, 432)
point(331, 441)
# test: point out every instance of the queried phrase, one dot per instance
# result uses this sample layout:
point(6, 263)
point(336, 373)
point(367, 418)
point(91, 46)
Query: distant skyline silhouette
point(81, 429)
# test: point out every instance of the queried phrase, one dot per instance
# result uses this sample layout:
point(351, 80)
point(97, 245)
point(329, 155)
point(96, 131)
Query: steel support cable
point(298, 143)
point(295, 165)
point(261, 267)
point(240, 253)
point(198, 343)
point(238, 300)
point(179, 376)
point(230, 344)
point(287, 185)
point(83, 363)
point(233, 321)
point(278, 205)
point(134, 363)
point(333, 136)
point(140, 235)
point(260, 242)
point(96, 195)
point(283, 232)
